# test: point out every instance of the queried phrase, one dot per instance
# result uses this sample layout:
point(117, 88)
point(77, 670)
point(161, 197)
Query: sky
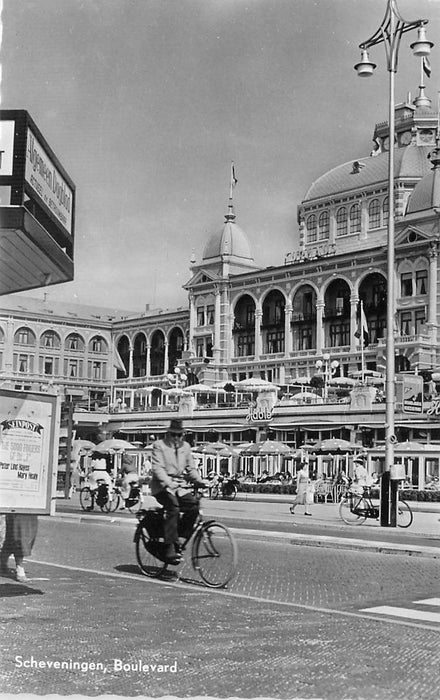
point(146, 103)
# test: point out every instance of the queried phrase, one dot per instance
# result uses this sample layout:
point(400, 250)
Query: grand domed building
point(283, 324)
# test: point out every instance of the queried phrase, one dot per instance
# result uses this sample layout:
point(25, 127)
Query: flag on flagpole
point(117, 361)
point(233, 178)
point(426, 66)
point(362, 330)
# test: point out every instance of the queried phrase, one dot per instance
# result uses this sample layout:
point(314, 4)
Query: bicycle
point(101, 496)
point(355, 508)
point(213, 549)
point(227, 489)
point(133, 502)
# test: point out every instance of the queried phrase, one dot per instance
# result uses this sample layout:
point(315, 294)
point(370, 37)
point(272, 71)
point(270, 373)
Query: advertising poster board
point(28, 443)
point(409, 393)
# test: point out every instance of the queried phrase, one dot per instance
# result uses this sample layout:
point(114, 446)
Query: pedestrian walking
point(20, 535)
point(304, 490)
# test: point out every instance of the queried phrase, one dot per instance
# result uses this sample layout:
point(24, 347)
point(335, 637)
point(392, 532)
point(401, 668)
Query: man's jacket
point(172, 467)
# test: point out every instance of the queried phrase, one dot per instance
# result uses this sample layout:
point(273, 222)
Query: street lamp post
point(178, 379)
point(328, 368)
point(389, 33)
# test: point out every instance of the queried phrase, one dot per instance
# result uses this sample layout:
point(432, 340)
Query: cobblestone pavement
point(291, 624)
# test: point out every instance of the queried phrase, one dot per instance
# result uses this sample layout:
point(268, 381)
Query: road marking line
point(428, 601)
point(407, 613)
point(198, 589)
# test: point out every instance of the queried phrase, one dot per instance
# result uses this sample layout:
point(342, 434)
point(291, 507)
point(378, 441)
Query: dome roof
point(410, 161)
point(230, 240)
point(426, 194)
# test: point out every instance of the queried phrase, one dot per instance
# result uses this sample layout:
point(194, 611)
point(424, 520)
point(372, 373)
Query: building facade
point(282, 324)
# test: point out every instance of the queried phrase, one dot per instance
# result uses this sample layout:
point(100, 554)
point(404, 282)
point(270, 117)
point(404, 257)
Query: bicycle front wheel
point(348, 507)
point(214, 555)
point(149, 564)
point(85, 498)
point(112, 503)
point(404, 514)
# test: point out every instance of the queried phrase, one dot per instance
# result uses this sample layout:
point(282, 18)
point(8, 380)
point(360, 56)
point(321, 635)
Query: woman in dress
point(302, 487)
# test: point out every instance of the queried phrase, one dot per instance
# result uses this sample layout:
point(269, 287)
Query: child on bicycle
point(173, 478)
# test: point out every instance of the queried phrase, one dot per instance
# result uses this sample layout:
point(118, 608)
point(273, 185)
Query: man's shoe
point(170, 555)
point(20, 574)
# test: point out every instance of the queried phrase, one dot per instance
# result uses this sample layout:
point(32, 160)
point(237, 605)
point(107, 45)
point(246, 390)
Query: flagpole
point(362, 344)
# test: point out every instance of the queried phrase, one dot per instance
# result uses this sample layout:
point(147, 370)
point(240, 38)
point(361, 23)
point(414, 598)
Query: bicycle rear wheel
point(136, 505)
point(214, 555)
point(149, 564)
point(348, 505)
point(404, 514)
point(85, 497)
point(230, 493)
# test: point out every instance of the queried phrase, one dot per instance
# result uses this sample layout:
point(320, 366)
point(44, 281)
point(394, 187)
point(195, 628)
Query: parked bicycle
point(355, 508)
point(101, 496)
point(225, 487)
point(213, 549)
point(133, 502)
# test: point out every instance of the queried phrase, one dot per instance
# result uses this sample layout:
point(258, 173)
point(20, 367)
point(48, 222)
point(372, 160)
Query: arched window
point(323, 226)
point(385, 210)
point(374, 214)
point(355, 219)
point(50, 339)
point(74, 342)
point(341, 222)
point(311, 229)
point(24, 336)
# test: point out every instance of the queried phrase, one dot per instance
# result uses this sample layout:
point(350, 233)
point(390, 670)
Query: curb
point(342, 543)
point(291, 538)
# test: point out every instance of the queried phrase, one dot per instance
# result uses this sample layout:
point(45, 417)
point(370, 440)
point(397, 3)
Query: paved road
point(324, 528)
point(296, 622)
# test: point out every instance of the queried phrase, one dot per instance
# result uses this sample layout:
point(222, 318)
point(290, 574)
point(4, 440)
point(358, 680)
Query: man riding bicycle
point(173, 478)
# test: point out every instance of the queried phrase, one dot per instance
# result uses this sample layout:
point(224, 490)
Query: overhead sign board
point(37, 208)
point(28, 427)
point(31, 169)
point(47, 183)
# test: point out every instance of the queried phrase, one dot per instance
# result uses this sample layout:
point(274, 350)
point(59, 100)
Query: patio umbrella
point(114, 445)
point(334, 445)
point(202, 389)
point(255, 384)
point(308, 396)
point(409, 446)
point(268, 447)
point(341, 381)
point(82, 446)
point(215, 448)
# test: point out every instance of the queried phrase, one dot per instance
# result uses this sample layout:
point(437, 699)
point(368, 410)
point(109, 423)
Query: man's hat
point(359, 458)
point(176, 426)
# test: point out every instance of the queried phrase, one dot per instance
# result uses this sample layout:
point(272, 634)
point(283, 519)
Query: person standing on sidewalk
point(173, 476)
point(303, 488)
point(21, 532)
